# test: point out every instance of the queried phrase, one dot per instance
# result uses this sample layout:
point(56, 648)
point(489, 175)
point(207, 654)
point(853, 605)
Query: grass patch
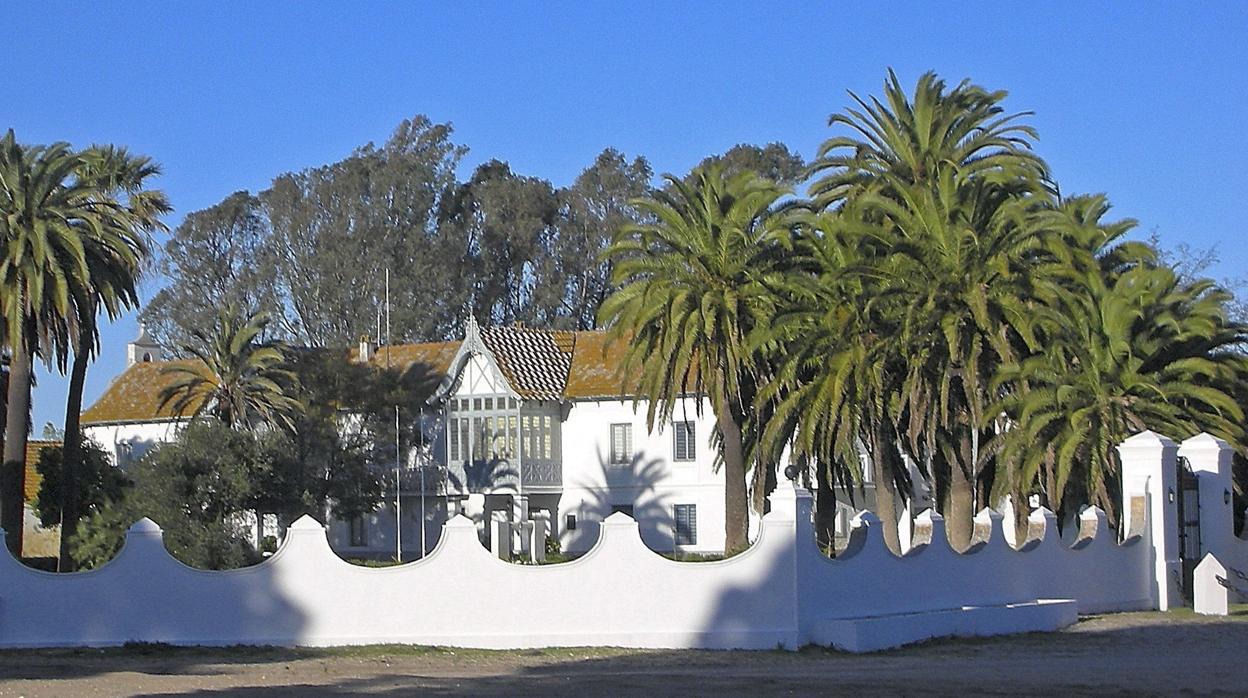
point(694, 557)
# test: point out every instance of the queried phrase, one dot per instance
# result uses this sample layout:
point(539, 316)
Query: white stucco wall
point(127, 442)
point(653, 483)
point(780, 592)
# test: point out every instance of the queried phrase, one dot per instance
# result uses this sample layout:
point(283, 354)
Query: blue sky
point(1142, 101)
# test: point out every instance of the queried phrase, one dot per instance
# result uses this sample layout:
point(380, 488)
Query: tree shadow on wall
point(632, 488)
point(495, 476)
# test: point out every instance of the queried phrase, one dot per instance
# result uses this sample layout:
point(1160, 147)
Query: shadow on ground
point(1122, 653)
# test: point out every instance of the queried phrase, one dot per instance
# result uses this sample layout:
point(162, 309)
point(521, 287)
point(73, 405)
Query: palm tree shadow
point(633, 489)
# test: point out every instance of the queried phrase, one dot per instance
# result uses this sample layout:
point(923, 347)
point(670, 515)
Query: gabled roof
point(435, 355)
point(534, 362)
point(134, 396)
point(538, 364)
point(594, 372)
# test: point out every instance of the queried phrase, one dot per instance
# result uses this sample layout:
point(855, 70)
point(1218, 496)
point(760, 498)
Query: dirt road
point(1139, 653)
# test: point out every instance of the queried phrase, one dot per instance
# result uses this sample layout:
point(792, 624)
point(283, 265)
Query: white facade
point(649, 485)
point(127, 442)
point(536, 455)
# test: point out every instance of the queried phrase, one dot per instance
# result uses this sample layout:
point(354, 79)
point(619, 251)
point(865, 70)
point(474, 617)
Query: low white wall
point(618, 594)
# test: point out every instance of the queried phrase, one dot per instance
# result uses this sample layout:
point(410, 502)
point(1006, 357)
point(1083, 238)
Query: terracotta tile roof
point(33, 449)
point(535, 362)
point(134, 396)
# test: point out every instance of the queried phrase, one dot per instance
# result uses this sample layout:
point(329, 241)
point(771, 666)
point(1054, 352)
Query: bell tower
point(142, 349)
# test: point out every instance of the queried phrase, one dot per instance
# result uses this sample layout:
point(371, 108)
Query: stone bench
point(873, 633)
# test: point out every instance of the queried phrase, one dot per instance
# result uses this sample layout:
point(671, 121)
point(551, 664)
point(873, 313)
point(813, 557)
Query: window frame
point(689, 429)
point(690, 529)
point(625, 456)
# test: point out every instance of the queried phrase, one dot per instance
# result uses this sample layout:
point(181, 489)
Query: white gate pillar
point(1211, 462)
point(1149, 493)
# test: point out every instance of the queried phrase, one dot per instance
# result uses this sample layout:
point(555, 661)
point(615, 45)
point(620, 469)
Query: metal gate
point(1189, 524)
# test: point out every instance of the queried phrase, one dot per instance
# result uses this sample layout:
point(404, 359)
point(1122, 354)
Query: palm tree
point(47, 212)
point(912, 140)
point(838, 369)
point(951, 185)
point(128, 212)
point(240, 381)
point(1136, 350)
point(689, 288)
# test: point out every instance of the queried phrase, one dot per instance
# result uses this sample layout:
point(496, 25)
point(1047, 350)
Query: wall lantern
point(1170, 494)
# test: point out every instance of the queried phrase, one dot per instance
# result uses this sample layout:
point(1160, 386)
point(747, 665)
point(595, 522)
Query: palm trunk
point(1022, 510)
point(884, 463)
point(736, 518)
point(825, 510)
point(71, 460)
point(959, 517)
point(16, 432)
point(758, 488)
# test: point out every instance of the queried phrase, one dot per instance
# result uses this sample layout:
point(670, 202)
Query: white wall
point(128, 442)
point(780, 592)
point(653, 483)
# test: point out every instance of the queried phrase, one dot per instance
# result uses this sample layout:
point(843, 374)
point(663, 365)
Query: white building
point(523, 421)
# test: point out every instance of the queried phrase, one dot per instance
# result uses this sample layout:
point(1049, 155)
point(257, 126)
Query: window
point(359, 532)
point(621, 444)
point(685, 448)
point(622, 509)
point(513, 443)
point(686, 524)
point(547, 437)
point(453, 438)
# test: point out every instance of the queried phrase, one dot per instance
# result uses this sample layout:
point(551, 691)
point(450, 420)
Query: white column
point(1211, 462)
point(1149, 506)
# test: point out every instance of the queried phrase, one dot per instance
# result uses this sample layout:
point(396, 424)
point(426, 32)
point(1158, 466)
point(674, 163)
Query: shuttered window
point(359, 532)
point(686, 516)
point(621, 444)
point(684, 448)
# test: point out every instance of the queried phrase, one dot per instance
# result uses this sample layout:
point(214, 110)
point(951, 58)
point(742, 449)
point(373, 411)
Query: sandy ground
point(1135, 653)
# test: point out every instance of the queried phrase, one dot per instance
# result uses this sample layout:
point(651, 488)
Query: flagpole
point(421, 465)
point(398, 484)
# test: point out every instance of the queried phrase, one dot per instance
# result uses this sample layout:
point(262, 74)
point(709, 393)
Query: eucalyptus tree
point(689, 289)
point(234, 376)
point(576, 279)
point(217, 257)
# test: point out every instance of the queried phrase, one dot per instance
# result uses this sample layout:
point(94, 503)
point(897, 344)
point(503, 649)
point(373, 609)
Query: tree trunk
point(1022, 510)
point(884, 462)
point(736, 517)
point(16, 432)
point(71, 452)
point(825, 510)
point(959, 519)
